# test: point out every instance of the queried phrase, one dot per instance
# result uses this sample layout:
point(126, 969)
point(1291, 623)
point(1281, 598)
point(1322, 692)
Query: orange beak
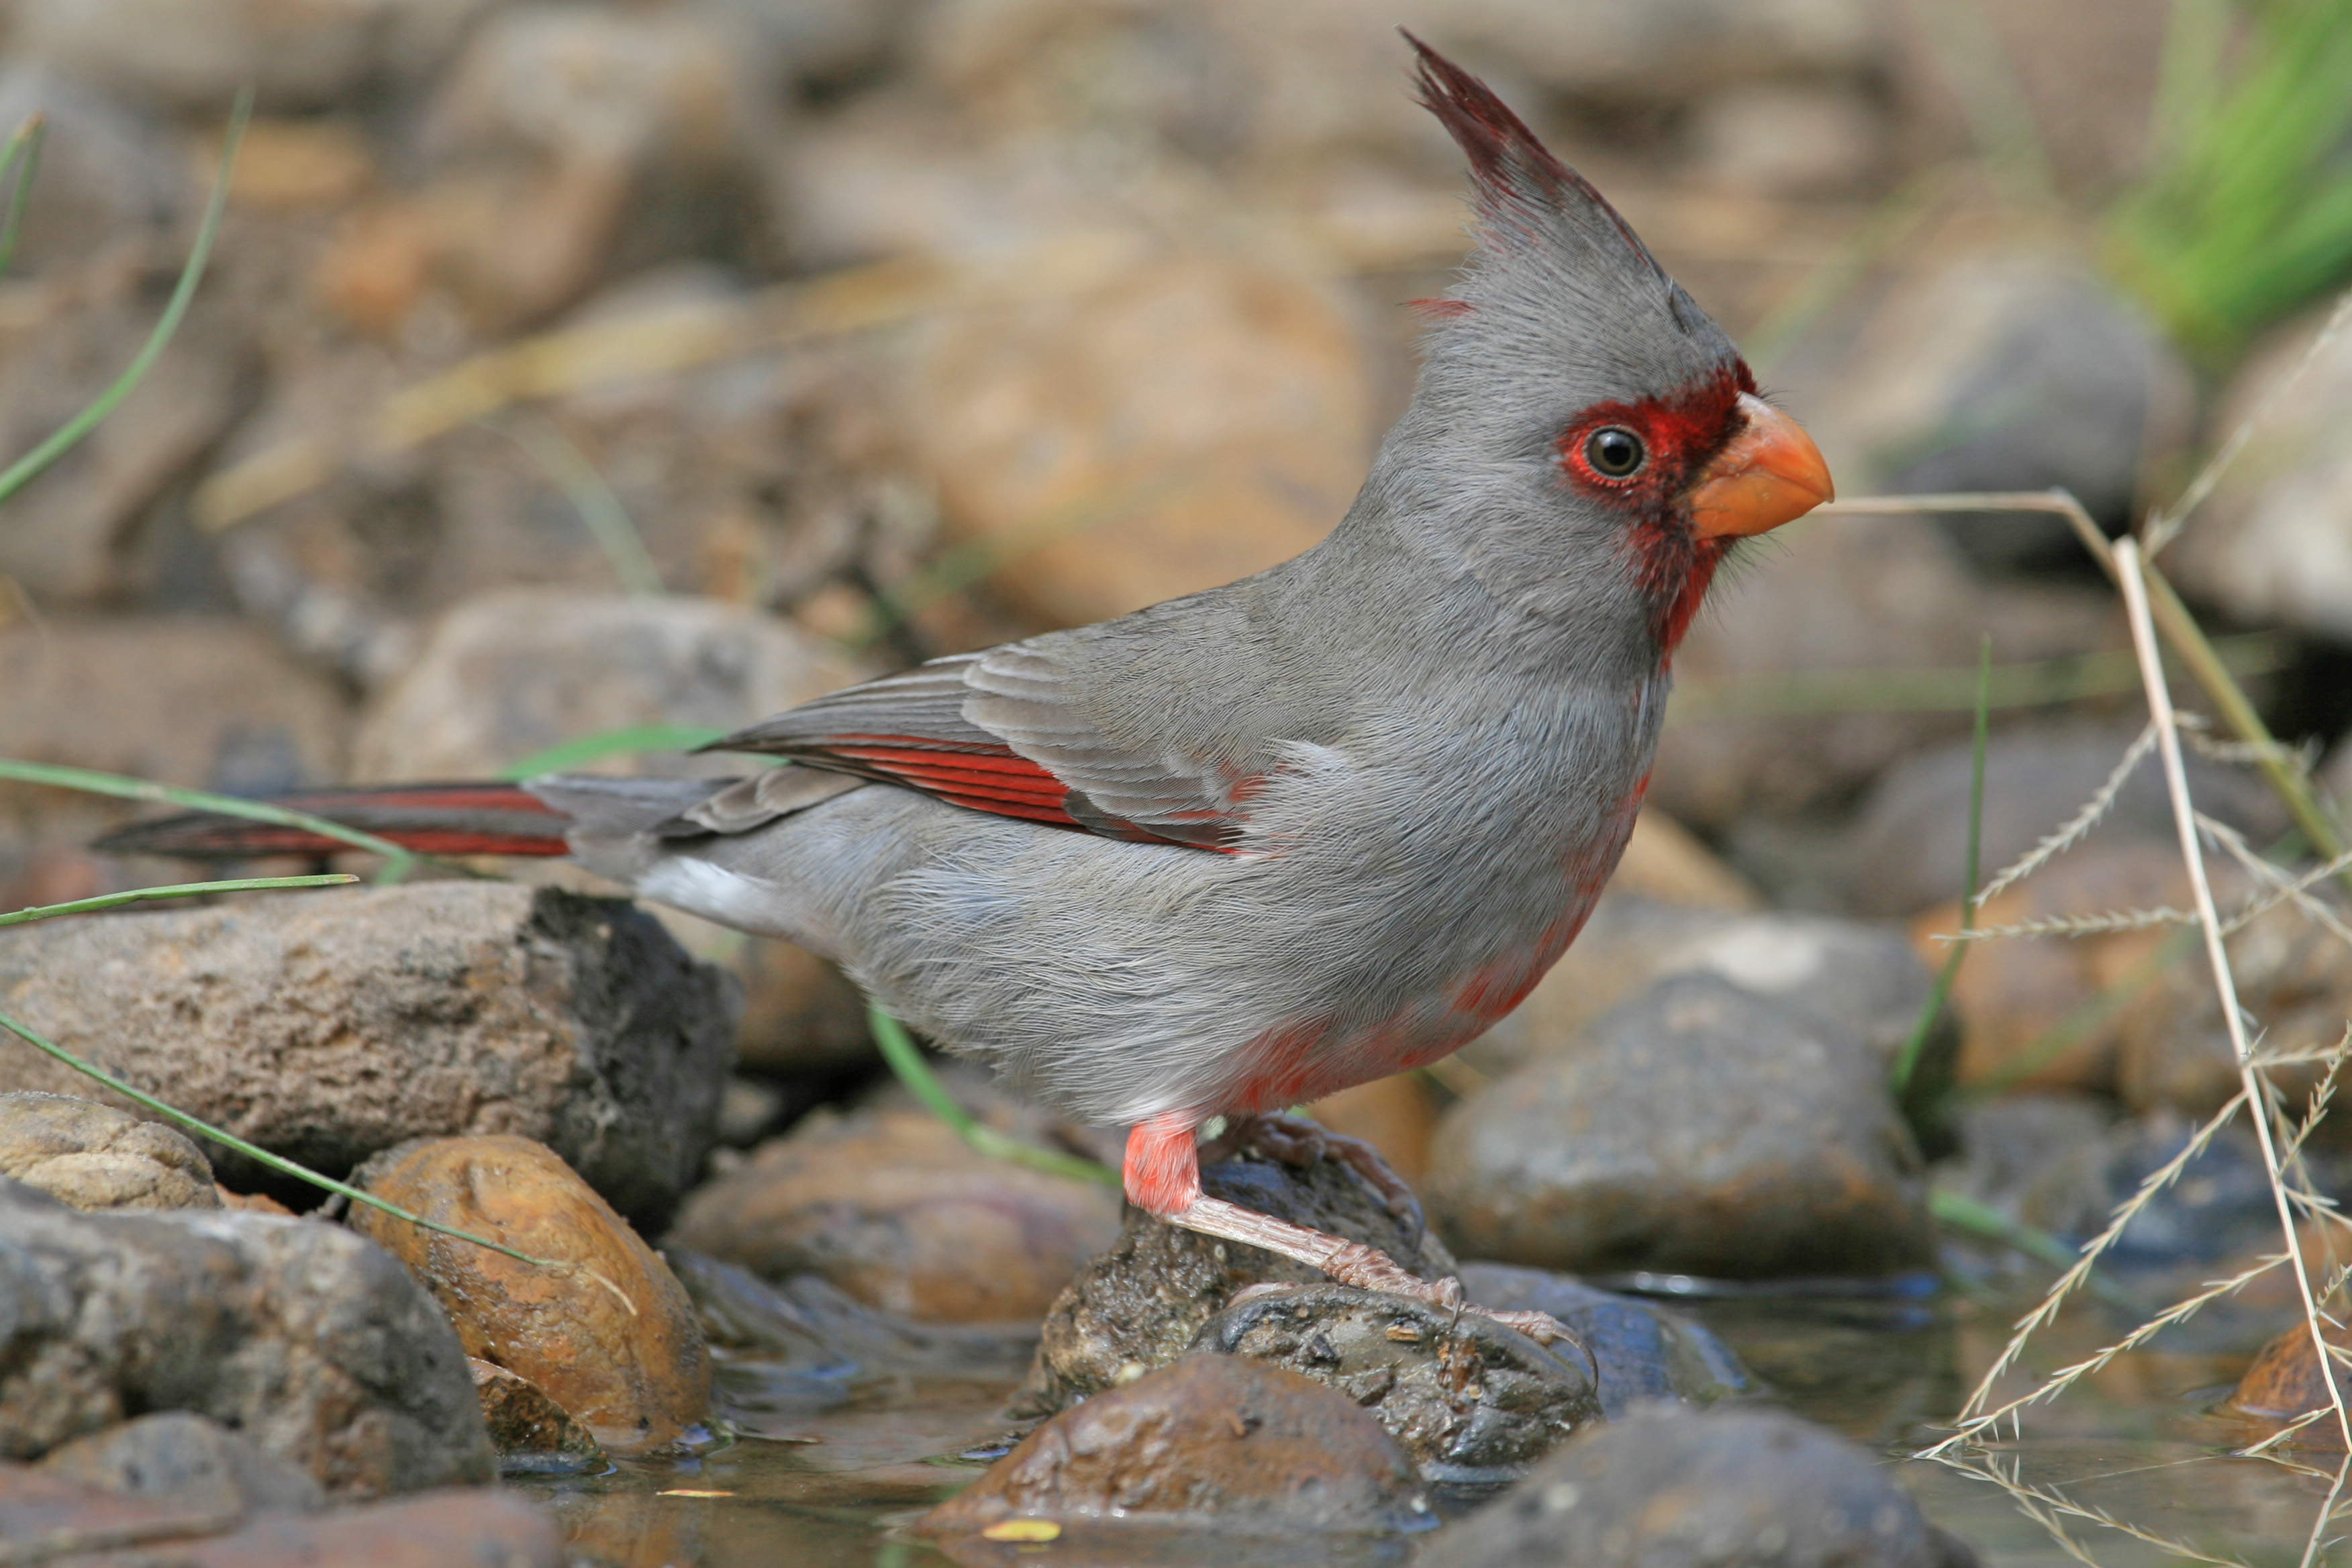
point(1770, 473)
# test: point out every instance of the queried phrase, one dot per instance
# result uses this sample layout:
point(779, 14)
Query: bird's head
point(1599, 444)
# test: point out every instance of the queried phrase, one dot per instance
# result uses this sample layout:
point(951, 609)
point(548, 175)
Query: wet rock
point(531, 1432)
point(307, 1340)
point(1234, 1445)
point(1842, 594)
point(1644, 1352)
point(1142, 1303)
point(1242, 448)
point(184, 1459)
point(95, 1157)
point(2286, 1382)
point(2042, 1159)
point(1846, 976)
point(1471, 1401)
point(511, 673)
point(612, 1339)
point(2011, 369)
point(1702, 1129)
point(329, 1027)
point(2269, 545)
point(898, 1211)
point(1717, 1489)
point(1913, 836)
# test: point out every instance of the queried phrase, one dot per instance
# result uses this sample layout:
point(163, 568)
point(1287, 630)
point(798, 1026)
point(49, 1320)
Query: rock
point(2042, 1159)
point(1113, 490)
point(329, 1027)
point(1644, 1351)
point(1232, 1445)
point(310, 54)
point(2274, 541)
point(1912, 852)
point(1666, 861)
point(801, 1013)
point(1837, 596)
point(1995, 369)
point(304, 1338)
point(112, 179)
point(531, 1432)
point(511, 673)
point(199, 700)
point(896, 1209)
point(1142, 1303)
point(83, 1527)
point(1784, 141)
point(1854, 978)
point(612, 1339)
point(188, 1461)
point(1716, 1489)
point(1397, 1115)
point(95, 1157)
point(1472, 1402)
point(2286, 1382)
point(1702, 1129)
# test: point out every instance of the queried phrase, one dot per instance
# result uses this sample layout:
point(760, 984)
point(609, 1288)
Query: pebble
point(96, 1157)
point(1472, 1402)
point(1217, 1441)
point(2286, 1382)
point(898, 1210)
point(327, 1027)
point(1702, 1129)
point(1644, 1351)
point(1113, 490)
point(533, 1433)
point(1722, 1488)
point(308, 1341)
point(613, 1340)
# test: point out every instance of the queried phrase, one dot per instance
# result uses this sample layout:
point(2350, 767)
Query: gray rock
point(1702, 1129)
point(329, 1027)
point(96, 1157)
point(1727, 1489)
point(1645, 1352)
point(181, 1458)
point(1848, 976)
point(1141, 1304)
point(1912, 839)
point(2273, 542)
point(1473, 1402)
point(307, 1339)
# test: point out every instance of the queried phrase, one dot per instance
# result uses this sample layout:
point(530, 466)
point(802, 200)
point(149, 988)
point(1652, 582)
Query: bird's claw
point(1296, 1142)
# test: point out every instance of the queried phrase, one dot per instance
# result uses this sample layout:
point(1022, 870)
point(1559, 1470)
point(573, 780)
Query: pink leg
point(1163, 1178)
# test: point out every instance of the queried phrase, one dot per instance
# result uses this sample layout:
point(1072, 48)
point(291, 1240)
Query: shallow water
point(834, 1463)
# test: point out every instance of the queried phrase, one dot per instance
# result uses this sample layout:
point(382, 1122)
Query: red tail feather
point(471, 818)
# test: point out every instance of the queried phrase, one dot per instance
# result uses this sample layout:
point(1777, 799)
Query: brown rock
point(2284, 1383)
point(1666, 861)
point(326, 1026)
point(528, 1427)
point(896, 1209)
point(1252, 1447)
point(1142, 1303)
point(1197, 419)
point(613, 1340)
point(251, 1203)
point(1396, 1115)
point(801, 1013)
point(95, 1157)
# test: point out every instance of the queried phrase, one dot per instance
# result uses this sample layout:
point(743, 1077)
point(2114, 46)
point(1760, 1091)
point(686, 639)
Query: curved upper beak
point(1770, 473)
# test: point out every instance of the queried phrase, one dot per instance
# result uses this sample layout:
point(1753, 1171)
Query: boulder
point(308, 1341)
point(329, 1026)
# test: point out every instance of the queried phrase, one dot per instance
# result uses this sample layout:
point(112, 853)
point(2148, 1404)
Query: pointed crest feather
point(1522, 187)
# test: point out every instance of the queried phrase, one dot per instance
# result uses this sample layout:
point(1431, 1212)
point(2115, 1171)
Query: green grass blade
point(261, 1155)
point(24, 146)
point(1906, 1061)
point(606, 743)
point(29, 466)
point(906, 1059)
point(178, 890)
point(397, 861)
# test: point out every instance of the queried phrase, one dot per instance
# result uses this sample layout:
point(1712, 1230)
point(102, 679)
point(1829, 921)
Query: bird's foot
point(1296, 1142)
point(1352, 1263)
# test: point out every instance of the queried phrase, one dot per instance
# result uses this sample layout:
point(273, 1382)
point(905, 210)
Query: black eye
point(1614, 451)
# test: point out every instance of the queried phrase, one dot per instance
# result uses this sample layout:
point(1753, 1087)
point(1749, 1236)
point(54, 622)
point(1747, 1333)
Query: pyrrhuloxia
point(1247, 847)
